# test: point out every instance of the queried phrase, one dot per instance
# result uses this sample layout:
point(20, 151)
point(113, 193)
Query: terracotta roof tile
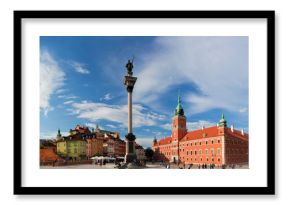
point(48, 154)
point(165, 141)
point(237, 134)
point(212, 132)
point(202, 133)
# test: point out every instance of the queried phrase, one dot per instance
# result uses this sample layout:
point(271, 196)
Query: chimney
point(202, 127)
point(232, 128)
point(242, 131)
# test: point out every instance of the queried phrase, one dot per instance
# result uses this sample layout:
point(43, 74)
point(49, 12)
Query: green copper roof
point(58, 133)
point(179, 110)
point(223, 122)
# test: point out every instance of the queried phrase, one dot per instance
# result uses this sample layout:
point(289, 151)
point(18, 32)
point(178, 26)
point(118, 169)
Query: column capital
point(130, 137)
point(130, 89)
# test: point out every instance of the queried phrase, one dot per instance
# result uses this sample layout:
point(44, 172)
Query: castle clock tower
point(178, 130)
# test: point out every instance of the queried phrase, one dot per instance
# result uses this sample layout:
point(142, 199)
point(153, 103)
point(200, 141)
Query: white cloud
point(67, 97)
point(191, 125)
point(51, 79)
point(79, 67)
point(52, 134)
point(144, 142)
point(59, 91)
point(115, 113)
point(198, 125)
point(111, 126)
point(243, 110)
point(217, 66)
point(159, 134)
point(167, 126)
point(107, 97)
point(91, 125)
point(68, 102)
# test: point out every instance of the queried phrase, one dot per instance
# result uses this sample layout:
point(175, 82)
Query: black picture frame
point(268, 190)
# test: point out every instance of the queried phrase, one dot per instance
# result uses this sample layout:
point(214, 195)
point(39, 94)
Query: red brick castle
point(217, 145)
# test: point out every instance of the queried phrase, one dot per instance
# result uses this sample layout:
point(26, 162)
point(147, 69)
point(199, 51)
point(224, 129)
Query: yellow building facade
point(72, 147)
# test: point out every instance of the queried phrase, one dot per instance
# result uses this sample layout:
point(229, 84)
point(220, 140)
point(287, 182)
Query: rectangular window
point(219, 151)
point(212, 151)
point(206, 152)
point(200, 152)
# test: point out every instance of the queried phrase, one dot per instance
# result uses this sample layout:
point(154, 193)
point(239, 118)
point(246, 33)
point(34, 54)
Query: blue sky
point(81, 82)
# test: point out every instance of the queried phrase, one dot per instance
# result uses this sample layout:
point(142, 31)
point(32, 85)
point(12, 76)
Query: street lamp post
point(129, 81)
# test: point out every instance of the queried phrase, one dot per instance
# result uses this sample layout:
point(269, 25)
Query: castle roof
point(205, 133)
point(165, 141)
point(212, 132)
point(201, 133)
point(237, 134)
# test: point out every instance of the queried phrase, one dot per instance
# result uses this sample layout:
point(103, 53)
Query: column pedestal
point(130, 148)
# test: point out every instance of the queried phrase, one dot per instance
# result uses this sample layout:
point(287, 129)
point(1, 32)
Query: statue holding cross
point(129, 67)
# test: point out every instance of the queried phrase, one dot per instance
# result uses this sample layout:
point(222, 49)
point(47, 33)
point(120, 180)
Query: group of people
point(199, 166)
point(99, 162)
point(206, 166)
point(183, 166)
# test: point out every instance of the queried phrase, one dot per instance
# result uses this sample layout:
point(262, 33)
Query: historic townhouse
point(72, 147)
point(140, 152)
point(80, 143)
point(94, 144)
point(83, 143)
point(218, 144)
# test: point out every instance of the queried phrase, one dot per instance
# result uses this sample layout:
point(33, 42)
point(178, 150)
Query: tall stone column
point(129, 81)
point(129, 112)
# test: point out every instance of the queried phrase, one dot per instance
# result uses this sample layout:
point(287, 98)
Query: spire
point(179, 110)
point(155, 140)
point(58, 132)
point(223, 122)
point(97, 128)
point(58, 136)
